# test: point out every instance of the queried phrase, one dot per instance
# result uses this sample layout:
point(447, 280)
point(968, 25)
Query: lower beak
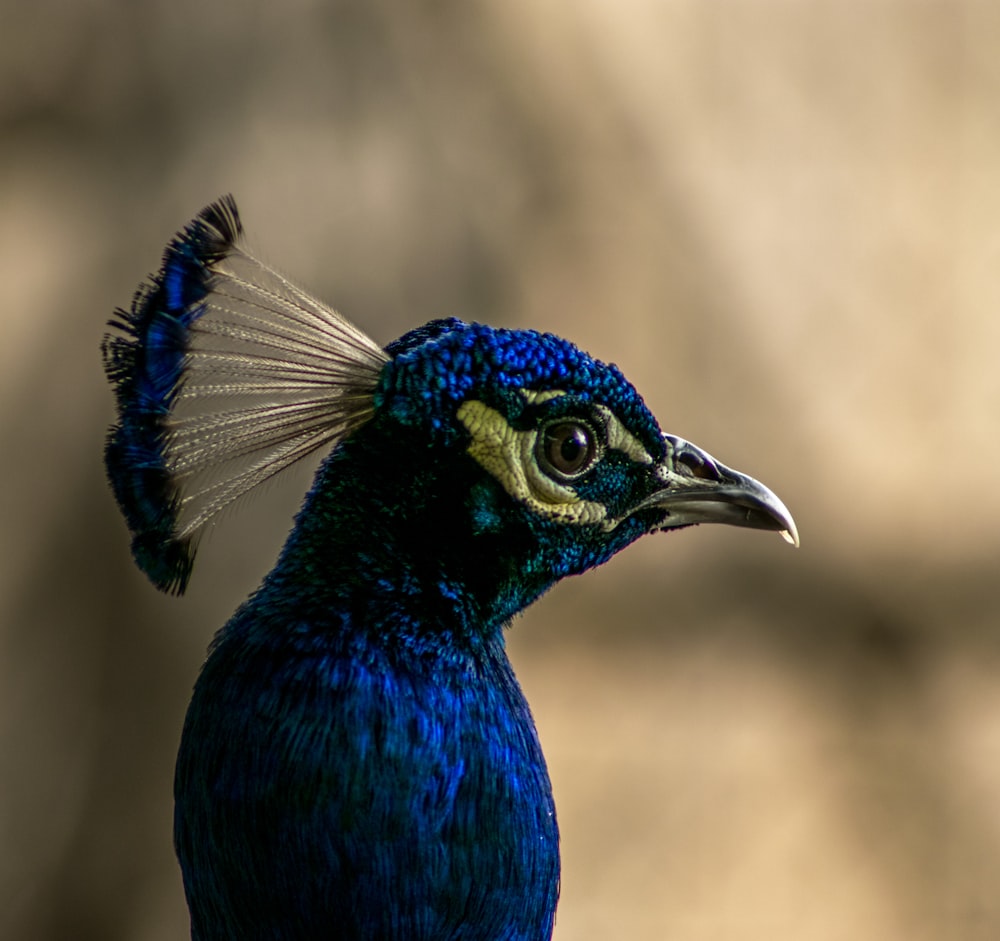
point(698, 489)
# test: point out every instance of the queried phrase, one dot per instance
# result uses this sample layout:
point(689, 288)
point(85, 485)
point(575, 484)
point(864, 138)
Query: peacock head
point(226, 374)
point(562, 442)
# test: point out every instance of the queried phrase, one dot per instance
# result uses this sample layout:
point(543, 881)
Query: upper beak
point(698, 489)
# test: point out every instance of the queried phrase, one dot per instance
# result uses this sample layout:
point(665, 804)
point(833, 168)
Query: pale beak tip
point(791, 536)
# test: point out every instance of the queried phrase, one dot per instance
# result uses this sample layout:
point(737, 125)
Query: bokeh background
point(781, 219)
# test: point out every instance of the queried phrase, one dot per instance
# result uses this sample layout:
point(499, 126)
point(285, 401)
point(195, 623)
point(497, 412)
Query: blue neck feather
point(359, 713)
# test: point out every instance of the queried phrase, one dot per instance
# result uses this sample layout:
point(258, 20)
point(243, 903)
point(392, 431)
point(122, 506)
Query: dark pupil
point(568, 447)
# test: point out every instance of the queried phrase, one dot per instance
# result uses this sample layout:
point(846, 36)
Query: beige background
point(782, 219)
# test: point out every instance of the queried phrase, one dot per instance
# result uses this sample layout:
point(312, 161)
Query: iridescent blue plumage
point(146, 367)
point(358, 761)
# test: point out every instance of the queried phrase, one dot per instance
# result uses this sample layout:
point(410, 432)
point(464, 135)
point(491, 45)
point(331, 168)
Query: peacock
point(358, 760)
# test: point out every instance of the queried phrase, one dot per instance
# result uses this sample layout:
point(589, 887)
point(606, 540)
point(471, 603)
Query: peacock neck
point(407, 555)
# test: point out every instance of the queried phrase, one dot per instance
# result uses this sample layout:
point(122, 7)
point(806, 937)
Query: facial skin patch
point(509, 455)
point(621, 439)
point(538, 396)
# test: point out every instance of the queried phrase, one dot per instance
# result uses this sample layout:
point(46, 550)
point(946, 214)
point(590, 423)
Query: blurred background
point(780, 219)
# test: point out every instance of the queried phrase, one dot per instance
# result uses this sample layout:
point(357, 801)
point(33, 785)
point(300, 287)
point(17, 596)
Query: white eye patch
point(510, 456)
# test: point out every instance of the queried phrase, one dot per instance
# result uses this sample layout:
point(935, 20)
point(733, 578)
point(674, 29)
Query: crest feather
point(225, 374)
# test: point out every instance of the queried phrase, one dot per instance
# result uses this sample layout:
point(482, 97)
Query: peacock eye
point(567, 449)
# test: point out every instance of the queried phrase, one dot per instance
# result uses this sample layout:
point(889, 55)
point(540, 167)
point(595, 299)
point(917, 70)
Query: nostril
point(693, 463)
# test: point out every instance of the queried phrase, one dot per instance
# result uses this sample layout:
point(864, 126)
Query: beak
point(696, 488)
